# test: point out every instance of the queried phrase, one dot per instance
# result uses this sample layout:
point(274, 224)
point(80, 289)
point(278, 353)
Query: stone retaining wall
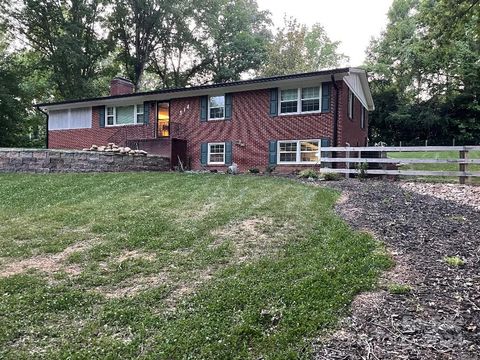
point(46, 161)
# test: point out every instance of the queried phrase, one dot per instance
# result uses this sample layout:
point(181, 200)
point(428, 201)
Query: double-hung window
point(300, 100)
point(124, 115)
point(310, 99)
point(298, 151)
point(216, 107)
point(288, 101)
point(216, 153)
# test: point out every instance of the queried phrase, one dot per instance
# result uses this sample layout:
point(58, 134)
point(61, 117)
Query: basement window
point(216, 153)
point(298, 152)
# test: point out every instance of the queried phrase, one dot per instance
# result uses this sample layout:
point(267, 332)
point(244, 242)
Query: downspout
point(335, 120)
point(46, 125)
point(335, 113)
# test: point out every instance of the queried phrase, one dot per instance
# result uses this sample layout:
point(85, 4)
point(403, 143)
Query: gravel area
point(421, 224)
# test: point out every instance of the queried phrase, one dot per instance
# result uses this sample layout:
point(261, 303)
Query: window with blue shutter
point(272, 152)
point(273, 102)
point(325, 97)
point(203, 108)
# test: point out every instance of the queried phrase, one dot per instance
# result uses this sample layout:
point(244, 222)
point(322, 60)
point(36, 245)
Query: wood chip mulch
point(440, 317)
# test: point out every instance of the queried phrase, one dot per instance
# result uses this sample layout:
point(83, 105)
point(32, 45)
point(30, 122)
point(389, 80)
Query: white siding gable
point(357, 82)
point(78, 118)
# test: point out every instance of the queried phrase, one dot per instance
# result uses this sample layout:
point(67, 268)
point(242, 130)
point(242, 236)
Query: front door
point(163, 119)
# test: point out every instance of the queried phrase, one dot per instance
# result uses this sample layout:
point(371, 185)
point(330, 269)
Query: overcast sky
point(353, 22)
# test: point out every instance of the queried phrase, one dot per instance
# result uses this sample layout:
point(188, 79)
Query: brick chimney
point(120, 86)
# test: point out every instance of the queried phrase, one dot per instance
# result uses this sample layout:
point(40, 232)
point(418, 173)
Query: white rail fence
point(352, 157)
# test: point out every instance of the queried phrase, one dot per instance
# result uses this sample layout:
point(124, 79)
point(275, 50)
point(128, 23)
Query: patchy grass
point(436, 167)
point(454, 261)
point(173, 266)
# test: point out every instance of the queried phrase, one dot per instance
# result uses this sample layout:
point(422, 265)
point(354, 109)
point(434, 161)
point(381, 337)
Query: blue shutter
point(146, 112)
point(228, 106)
point(203, 153)
point(326, 143)
point(273, 102)
point(101, 116)
point(203, 108)
point(228, 153)
point(272, 152)
point(325, 97)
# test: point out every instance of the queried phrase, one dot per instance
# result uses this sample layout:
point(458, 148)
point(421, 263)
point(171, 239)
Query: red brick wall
point(350, 130)
point(83, 138)
point(250, 129)
point(250, 125)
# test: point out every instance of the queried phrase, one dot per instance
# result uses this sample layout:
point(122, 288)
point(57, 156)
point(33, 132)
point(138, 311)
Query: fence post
point(383, 155)
point(347, 164)
point(463, 154)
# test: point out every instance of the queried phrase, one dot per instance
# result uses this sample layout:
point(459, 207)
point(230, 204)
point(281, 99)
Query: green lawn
point(173, 266)
point(436, 167)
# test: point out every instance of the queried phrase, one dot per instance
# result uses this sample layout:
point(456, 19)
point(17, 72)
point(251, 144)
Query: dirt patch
point(133, 286)
point(134, 255)
point(46, 263)
point(251, 238)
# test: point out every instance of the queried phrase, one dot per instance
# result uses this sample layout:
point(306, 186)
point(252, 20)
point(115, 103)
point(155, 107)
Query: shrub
point(331, 176)
point(362, 168)
point(308, 174)
point(253, 171)
point(398, 289)
point(270, 169)
point(454, 261)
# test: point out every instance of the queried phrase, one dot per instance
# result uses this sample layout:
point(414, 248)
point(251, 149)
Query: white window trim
point(299, 101)
point(208, 154)
point(135, 113)
point(215, 107)
point(299, 152)
point(350, 104)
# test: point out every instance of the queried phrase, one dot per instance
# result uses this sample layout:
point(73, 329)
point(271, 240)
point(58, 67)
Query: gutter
point(46, 124)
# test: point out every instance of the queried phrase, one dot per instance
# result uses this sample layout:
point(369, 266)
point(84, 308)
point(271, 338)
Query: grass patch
point(454, 261)
point(173, 266)
point(399, 289)
point(436, 167)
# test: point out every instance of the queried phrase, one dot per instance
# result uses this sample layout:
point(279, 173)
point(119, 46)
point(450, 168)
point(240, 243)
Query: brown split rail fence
point(347, 157)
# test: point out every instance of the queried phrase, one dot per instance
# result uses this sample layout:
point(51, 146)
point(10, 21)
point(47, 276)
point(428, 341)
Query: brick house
point(281, 121)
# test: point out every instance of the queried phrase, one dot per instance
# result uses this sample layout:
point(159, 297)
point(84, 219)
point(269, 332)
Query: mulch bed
point(440, 317)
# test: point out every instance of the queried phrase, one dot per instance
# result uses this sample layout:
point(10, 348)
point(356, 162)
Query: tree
point(426, 63)
point(297, 48)
point(140, 27)
point(212, 41)
point(65, 34)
